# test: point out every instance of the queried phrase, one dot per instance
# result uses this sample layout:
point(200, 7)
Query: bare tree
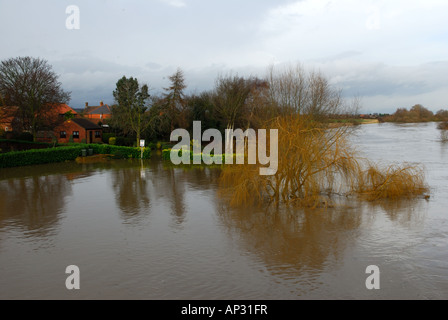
point(30, 85)
point(294, 90)
point(288, 89)
point(229, 98)
point(323, 99)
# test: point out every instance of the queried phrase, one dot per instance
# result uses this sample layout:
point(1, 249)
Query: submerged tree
point(314, 161)
point(130, 112)
point(314, 164)
point(31, 87)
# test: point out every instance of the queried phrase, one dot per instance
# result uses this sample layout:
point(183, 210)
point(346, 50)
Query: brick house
point(53, 116)
point(98, 113)
point(71, 128)
point(7, 118)
point(66, 124)
point(80, 130)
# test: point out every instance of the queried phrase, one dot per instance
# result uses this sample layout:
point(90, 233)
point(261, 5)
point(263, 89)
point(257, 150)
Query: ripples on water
point(146, 230)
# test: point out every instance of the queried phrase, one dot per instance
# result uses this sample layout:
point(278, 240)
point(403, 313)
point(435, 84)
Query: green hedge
point(60, 154)
point(25, 142)
point(118, 151)
point(166, 154)
point(30, 157)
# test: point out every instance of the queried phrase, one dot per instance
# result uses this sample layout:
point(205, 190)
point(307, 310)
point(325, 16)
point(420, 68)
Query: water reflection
point(406, 212)
point(172, 182)
point(32, 198)
point(33, 204)
point(131, 189)
point(294, 244)
point(99, 212)
point(302, 245)
point(137, 184)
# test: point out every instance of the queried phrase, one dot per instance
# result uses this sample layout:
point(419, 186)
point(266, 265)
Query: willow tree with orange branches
point(315, 161)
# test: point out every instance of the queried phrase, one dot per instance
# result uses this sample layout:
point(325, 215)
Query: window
point(75, 134)
point(63, 134)
point(97, 134)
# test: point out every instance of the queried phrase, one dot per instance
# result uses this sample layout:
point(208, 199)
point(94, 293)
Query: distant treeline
point(417, 113)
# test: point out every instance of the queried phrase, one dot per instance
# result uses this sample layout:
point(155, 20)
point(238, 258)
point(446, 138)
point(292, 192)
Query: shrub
point(31, 157)
point(166, 155)
point(120, 152)
point(24, 136)
point(443, 125)
point(314, 163)
point(67, 153)
point(19, 145)
point(25, 142)
point(391, 183)
point(112, 141)
point(107, 136)
point(124, 142)
point(151, 145)
point(442, 115)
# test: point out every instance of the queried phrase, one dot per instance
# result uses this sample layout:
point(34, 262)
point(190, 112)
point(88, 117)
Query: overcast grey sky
point(393, 53)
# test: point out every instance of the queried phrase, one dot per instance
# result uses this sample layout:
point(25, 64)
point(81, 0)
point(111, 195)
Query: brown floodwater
point(148, 230)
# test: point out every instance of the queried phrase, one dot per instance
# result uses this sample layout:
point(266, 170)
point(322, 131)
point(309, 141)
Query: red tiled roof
point(63, 109)
point(104, 109)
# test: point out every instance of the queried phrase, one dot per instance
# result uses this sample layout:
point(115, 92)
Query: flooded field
point(147, 230)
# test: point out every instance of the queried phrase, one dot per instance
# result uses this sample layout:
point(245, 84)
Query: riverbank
point(350, 122)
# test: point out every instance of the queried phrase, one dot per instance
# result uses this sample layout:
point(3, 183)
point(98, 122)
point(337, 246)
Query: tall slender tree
point(130, 112)
point(174, 100)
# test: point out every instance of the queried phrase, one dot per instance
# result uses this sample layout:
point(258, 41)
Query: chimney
point(101, 103)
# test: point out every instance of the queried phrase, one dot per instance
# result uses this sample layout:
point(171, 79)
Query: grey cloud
point(150, 39)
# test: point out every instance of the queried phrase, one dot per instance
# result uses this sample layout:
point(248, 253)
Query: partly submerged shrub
point(443, 125)
point(393, 182)
point(315, 162)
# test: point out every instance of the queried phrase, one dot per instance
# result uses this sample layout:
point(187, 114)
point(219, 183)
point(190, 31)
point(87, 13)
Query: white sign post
point(142, 145)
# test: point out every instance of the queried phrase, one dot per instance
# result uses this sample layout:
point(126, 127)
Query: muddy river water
point(147, 230)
